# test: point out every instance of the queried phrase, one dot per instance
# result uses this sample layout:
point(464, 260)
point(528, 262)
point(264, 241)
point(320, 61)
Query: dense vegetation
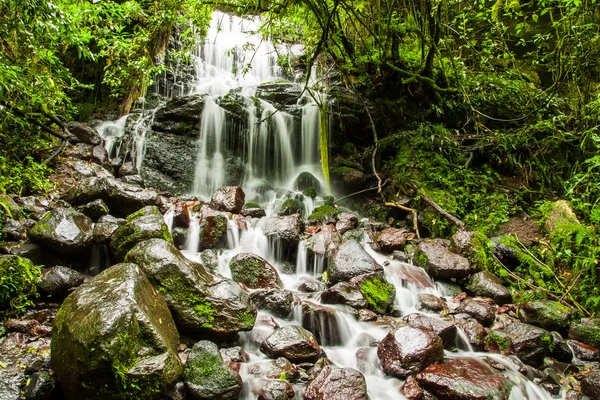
point(492, 107)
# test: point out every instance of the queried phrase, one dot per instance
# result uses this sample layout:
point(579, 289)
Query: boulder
point(228, 198)
point(144, 224)
point(105, 228)
point(391, 239)
point(324, 242)
point(100, 156)
point(63, 230)
point(439, 262)
point(31, 251)
point(344, 293)
point(474, 331)
point(430, 303)
point(409, 350)
point(207, 376)
point(18, 278)
point(56, 282)
point(94, 209)
point(14, 230)
point(199, 301)
point(583, 351)
point(550, 315)
point(379, 293)
point(292, 342)
point(291, 207)
point(306, 180)
point(84, 133)
point(483, 311)
point(586, 331)
point(9, 204)
point(464, 379)
point(180, 116)
point(334, 383)
point(213, 228)
point(323, 322)
point(280, 93)
point(560, 349)
point(254, 272)
point(114, 338)
point(286, 230)
point(127, 169)
point(444, 329)
point(560, 215)
point(235, 354)
point(273, 389)
point(277, 301)
point(530, 343)
point(348, 261)
point(346, 222)
point(486, 284)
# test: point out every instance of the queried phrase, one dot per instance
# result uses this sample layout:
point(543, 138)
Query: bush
point(18, 279)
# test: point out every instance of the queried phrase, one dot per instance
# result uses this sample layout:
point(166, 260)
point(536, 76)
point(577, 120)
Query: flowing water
point(235, 57)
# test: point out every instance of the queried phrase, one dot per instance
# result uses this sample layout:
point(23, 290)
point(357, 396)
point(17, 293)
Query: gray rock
point(430, 303)
point(286, 230)
point(127, 168)
point(292, 342)
point(63, 230)
point(269, 389)
point(344, 293)
point(32, 251)
point(325, 242)
point(208, 377)
point(57, 281)
point(276, 301)
point(9, 204)
point(350, 260)
point(530, 343)
point(439, 262)
point(94, 209)
point(486, 284)
point(305, 181)
point(84, 133)
point(112, 334)
point(443, 328)
point(180, 116)
point(560, 349)
point(550, 315)
point(14, 230)
point(199, 301)
point(586, 331)
point(346, 222)
point(100, 156)
point(334, 383)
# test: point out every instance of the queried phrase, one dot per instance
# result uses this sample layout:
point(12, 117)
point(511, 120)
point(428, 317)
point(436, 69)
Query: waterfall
point(112, 133)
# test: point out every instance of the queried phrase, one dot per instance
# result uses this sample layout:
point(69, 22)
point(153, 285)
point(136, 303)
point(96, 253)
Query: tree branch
point(453, 220)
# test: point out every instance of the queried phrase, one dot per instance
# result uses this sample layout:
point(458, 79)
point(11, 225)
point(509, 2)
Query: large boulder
point(560, 215)
point(344, 293)
point(276, 301)
point(586, 331)
point(180, 116)
point(292, 342)
point(144, 224)
point(464, 379)
point(114, 338)
point(482, 310)
point(254, 271)
point(286, 229)
point(391, 239)
point(334, 383)
point(63, 230)
point(306, 180)
point(228, 198)
point(409, 350)
point(199, 301)
point(207, 376)
point(84, 133)
point(530, 343)
point(550, 315)
point(439, 262)
point(324, 242)
point(486, 284)
point(350, 260)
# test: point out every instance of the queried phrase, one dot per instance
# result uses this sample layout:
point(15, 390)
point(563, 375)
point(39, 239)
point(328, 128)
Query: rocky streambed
point(148, 296)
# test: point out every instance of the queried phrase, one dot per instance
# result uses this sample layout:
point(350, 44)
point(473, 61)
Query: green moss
point(421, 259)
point(482, 258)
point(252, 205)
point(18, 280)
point(349, 149)
point(248, 318)
point(378, 293)
point(322, 212)
point(166, 234)
point(310, 192)
point(548, 342)
point(180, 293)
point(502, 341)
point(291, 206)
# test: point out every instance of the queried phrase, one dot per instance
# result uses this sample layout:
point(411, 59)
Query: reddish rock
point(228, 198)
point(292, 342)
point(446, 330)
point(268, 389)
point(334, 383)
point(431, 303)
point(439, 262)
point(483, 311)
point(411, 389)
point(394, 239)
point(583, 351)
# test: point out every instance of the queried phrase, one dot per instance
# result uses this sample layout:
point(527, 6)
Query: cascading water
point(112, 133)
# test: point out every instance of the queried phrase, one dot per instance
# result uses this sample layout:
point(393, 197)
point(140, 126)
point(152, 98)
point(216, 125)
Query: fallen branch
point(410, 210)
point(359, 192)
point(455, 221)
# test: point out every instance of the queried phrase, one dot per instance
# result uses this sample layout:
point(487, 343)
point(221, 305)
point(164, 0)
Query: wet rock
point(464, 379)
point(408, 351)
point(291, 206)
point(210, 260)
point(311, 287)
point(379, 293)
point(207, 376)
point(346, 222)
point(349, 178)
point(277, 301)
point(322, 322)
point(57, 281)
point(228, 198)
point(36, 207)
point(254, 212)
point(84, 133)
point(444, 329)
point(105, 228)
point(282, 367)
point(350, 260)
point(279, 93)
point(31, 251)
point(9, 204)
point(144, 224)
point(344, 293)
point(323, 215)
point(590, 385)
point(586, 331)
point(391, 239)
point(135, 180)
point(292, 342)
point(305, 181)
point(63, 230)
point(411, 389)
point(324, 242)
point(254, 272)
point(560, 349)
point(439, 262)
point(14, 230)
point(100, 156)
point(235, 354)
point(530, 343)
point(121, 197)
point(199, 301)
point(334, 383)
point(94, 209)
point(271, 389)
point(367, 316)
point(474, 331)
point(483, 311)
point(21, 325)
point(213, 228)
point(40, 386)
point(97, 331)
point(550, 315)
point(286, 230)
point(583, 351)
point(486, 284)
point(127, 168)
point(430, 303)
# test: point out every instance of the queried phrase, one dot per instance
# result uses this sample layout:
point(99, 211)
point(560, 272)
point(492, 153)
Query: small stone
point(292, 342)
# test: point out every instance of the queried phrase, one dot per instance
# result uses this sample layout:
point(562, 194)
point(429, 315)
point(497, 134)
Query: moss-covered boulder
point(559, 215)
point(379, 293)
point(94, 209)
point(439, 262)
point(530, 343)
point(144, 224)
point(486, 284)
point(550, 315)
point(63, 230)
point(348, 261)
point(199, 301)
point(9, 207)
point(305, 181)
point(208, 377)
point(324, 214)
point(18, 279)
point(291, 206)
point(254, 271)
point(345, 293)
point(213, 227)
point(586, 331)
point(114, 338)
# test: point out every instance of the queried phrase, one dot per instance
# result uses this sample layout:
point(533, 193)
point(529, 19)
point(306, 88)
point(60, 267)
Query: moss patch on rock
point(378, 293)
point(322, 212)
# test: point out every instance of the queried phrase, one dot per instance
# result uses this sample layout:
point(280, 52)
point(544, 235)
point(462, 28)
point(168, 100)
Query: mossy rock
point(208, 377)
point(213, 229)
point(251, 205)
point(254, 272)
point(323, 213)
point(18, 279)
point(307, 180)
point(114, 338)
point(144, 224)
point(9, 207)
point(380, 294)
point(586, 331)
point(550, 315)
point(291, 206)
point(63, 230)
point(498, 342)
point(310, 192)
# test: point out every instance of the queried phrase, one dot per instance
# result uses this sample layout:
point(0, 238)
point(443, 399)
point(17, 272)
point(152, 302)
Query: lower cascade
point(211, 261)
